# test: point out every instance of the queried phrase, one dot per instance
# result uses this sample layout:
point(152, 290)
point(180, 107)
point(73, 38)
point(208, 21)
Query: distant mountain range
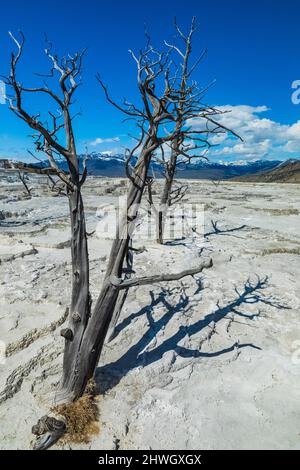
point(284, 172)
point(100, 164)
point(113, 166)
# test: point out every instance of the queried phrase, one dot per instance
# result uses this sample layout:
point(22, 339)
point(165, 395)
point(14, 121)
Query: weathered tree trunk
point(111, 333)
point(85, 337)
point(165, 200)
point(122, 297)
point(80, 297)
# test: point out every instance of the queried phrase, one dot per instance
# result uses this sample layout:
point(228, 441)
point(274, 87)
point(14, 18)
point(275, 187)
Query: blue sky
point(253, 53)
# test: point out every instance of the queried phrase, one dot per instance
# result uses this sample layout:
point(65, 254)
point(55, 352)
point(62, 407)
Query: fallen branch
point(6, 259)
point(142, 281)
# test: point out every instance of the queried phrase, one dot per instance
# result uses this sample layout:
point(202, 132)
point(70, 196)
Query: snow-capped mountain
point(104, 164)
point(285, 172)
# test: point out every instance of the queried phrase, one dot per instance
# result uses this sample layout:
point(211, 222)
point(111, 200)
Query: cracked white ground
point(210, 362)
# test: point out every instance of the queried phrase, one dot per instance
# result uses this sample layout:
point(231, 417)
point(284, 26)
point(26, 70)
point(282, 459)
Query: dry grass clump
point(81, 417)
point(272, 251)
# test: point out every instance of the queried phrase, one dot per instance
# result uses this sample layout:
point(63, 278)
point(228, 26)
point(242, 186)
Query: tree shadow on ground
point(137, 355)
point(215, 231)
point(227, 231)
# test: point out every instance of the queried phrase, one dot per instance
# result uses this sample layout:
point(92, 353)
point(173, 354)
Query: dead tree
point(156, 112)
point(87, 329)
point(47, 140)
point(190, 142)
point(22, 178)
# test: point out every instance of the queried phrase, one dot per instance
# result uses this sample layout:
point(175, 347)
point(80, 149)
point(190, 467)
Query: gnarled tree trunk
point(85, 337)
point(122, 296)
point(80, 296)
point(165, 200)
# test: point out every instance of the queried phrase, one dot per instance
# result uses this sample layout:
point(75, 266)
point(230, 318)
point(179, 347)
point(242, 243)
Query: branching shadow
point(217, 231)
point(176, 242)
point(161, 298)
point(109, 375)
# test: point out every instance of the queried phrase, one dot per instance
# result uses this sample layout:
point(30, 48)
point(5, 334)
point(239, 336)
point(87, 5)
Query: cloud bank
point(263, 138)
point(99, 141)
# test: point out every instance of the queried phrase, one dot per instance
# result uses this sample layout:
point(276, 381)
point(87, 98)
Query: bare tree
point(23, 178)
point(87, 328)
point(156, 112)
point(191, 141)
point(47, 138)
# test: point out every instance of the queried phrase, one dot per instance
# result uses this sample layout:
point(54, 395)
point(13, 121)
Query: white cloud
point(292, 146)
point(293, 131)
point(99, 141)
point(112, 151)
point(262, 137)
